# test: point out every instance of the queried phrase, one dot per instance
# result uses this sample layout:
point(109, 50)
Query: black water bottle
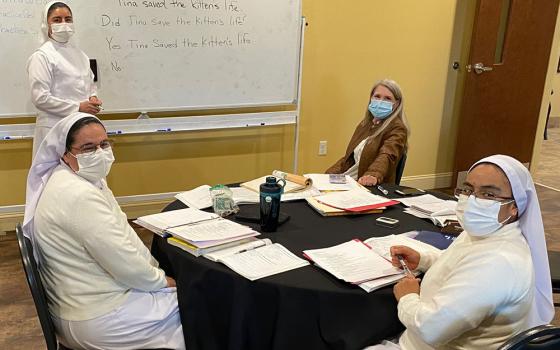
point(270, 193)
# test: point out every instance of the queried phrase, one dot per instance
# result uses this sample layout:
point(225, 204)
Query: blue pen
point(12, 137)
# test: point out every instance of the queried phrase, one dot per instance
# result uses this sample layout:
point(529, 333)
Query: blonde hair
point(397, 112)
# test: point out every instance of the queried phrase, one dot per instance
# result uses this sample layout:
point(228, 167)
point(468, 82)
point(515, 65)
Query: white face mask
point(95, 166)
point(479, 217)
point(61, 32)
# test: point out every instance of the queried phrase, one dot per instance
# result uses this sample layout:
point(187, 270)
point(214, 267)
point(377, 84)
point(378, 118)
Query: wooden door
point(501, 103)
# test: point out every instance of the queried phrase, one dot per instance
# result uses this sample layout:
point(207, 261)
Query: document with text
point(352, 261)
point(264, 261)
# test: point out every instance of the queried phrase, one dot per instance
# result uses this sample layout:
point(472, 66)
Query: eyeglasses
point(483, 197)
point(90, 148)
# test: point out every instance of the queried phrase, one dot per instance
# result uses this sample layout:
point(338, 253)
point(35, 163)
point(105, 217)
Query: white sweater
point(59, 78)
point(90, 256)
point(474, 296)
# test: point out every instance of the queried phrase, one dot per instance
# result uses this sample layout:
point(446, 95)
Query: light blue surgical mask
point(479, 217)
point(380, 109)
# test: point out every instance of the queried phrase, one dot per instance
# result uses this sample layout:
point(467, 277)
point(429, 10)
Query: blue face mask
point(380, 109)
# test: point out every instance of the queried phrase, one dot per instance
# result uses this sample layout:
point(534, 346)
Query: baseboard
point(133, 207)
point(429, 181)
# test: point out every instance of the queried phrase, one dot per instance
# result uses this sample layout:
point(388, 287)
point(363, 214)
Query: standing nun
point(60, 78)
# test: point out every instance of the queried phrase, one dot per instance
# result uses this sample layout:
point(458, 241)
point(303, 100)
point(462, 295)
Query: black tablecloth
point(306, 308)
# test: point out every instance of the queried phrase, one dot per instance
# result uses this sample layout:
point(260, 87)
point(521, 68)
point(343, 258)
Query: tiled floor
point(20, 327)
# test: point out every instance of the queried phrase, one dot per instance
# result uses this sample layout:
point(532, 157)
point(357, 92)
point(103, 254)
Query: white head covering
point(46, 159)
point(530, 222)
point(44, 33)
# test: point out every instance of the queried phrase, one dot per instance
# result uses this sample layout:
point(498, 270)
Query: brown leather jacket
point(381, 153)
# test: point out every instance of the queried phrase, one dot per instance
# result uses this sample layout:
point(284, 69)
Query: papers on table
point(254, 185)
point(200, 197)
point(439, 211)
point(355, 200)
point(264, 261)
point(251, 243)
point(382, 245)
point(327, 210)
point(321, 182)
point(198, 251)
point(352, 262)
point(212, 230)
point(195, 229)
point(161, 222)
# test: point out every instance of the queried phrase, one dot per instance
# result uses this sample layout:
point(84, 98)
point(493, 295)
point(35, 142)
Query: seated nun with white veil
point(104, 289)
point(494, 279)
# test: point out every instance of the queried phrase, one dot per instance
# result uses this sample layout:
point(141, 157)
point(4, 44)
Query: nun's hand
point(407, 285)
point(368, 180)
point(95, 100)
point(89, 107)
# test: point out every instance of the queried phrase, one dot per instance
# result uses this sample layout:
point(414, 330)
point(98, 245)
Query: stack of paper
point(212, 232)
point(161, 222)
point(291, 186)
point(322, 183)
point(249, 244)
point(264, 261)
point(194, 230)
point(326, 210)
point(352, 262)
point(355, 200)
point(197, 251)
point(439, 211)
point(200, 197)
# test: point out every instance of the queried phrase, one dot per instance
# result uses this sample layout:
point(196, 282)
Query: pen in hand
point(404, 266)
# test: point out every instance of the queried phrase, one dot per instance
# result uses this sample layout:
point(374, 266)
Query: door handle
point(479, 68)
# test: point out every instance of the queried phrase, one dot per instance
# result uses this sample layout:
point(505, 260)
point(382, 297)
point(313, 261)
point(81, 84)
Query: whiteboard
point(166, 54)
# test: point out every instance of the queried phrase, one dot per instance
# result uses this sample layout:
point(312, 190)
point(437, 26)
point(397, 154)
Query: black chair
point(37, 290)
point(400, 169)
point(554, 262)
point(545, 337)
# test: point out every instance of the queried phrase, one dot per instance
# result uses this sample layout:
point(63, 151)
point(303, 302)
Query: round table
point(305, 308)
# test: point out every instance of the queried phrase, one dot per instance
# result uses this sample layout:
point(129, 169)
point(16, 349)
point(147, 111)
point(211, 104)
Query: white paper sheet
point(198, 198)
point(252, 244)
point(173, 218)
point(352, 262)
point(351, 199)
point(321, 182)
point(264, 261)
point(210, 230)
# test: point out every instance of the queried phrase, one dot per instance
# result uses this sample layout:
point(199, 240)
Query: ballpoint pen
point(404, 266)
point(384, 191)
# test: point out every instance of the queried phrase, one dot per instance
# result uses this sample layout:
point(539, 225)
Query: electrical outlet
point(322, 148)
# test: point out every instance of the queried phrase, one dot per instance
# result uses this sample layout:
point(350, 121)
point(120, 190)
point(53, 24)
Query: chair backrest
point(554, 262)
point(37, 290)
point(400, 169)
point(545, 337)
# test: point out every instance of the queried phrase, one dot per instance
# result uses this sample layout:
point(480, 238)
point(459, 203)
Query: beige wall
point(348, 45)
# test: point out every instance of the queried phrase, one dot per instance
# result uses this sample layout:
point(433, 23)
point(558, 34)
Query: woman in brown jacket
point(380, 139)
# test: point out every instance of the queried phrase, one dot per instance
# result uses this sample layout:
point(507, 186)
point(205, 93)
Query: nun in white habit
point(104, 289)
point(59, 74)
point(493, 281)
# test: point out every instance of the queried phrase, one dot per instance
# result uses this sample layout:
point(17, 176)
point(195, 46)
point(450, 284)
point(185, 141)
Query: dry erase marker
point(404, 266)
point(162, 130)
